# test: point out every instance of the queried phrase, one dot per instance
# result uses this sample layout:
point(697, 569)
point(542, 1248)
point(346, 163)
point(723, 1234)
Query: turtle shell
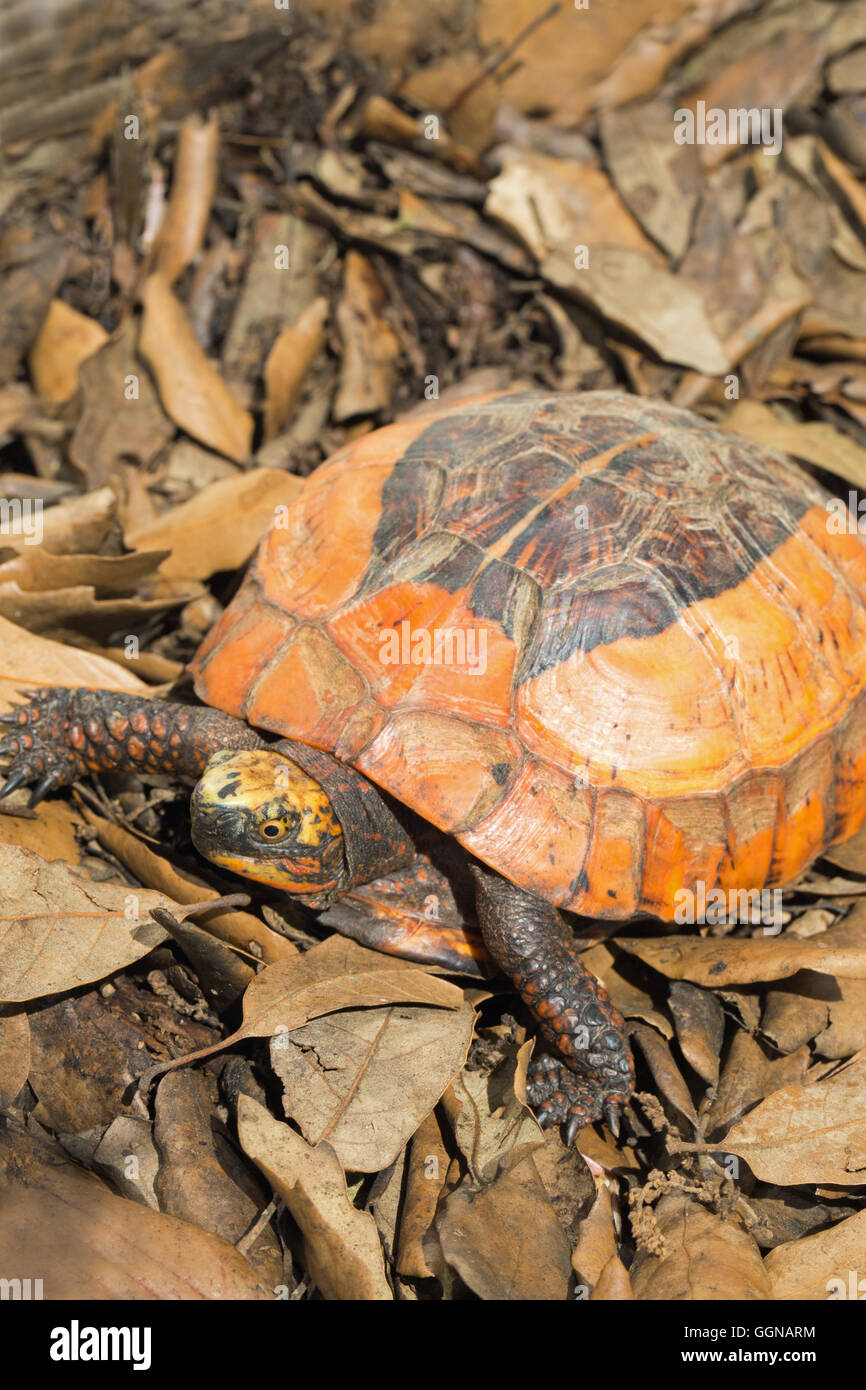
point(615, 651)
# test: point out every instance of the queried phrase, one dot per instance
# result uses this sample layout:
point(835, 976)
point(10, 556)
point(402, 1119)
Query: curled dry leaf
point(427, 1164)
point(700, 1025)
point(808, 1134)
point(14, 1056)
point(665, 1071)
point(371, 347)
point(597, 1244)
point(191, 389)
point(645, 299)
point(338, 974)
point(813, 442)
point(365, 1079)
point(750, 1073)
point(65, 340)
point(747, 960)
point(705, 1257)
point(59, 930)
point(195, 177)
point(821, 1266)
point(505, 1241)
point(220, 527)
point(195, 1180)
point(26, 659)
point(121, 416)
point(289, 360)
point(342, 1244)
point(95, 1245)
point(491, 1122)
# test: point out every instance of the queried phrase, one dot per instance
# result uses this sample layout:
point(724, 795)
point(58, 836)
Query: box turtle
point(536, 654)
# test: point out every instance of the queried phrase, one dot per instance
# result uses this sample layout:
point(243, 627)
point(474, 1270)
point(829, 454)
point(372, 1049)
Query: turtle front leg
point(60, 734)
point(593, 1075)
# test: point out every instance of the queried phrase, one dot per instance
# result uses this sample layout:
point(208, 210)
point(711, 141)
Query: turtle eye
point(273, 830)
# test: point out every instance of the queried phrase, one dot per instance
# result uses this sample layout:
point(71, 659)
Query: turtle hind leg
point(591, 1074)
point(60, 734)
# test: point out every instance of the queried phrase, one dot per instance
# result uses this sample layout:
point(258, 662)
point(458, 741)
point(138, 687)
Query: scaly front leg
point(59, 735)
point(593, 1075)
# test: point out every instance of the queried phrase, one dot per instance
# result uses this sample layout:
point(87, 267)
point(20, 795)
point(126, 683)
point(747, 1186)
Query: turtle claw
point(17, 779)
point(560, 1096)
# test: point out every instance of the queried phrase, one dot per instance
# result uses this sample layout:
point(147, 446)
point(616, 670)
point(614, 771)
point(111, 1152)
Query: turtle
point(533, 659)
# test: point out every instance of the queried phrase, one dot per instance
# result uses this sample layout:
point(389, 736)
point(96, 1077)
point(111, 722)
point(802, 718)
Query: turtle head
point(259, 814)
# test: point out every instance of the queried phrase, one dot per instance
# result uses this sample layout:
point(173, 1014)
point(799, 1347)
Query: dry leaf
point(59, 930)
point(14, 1056)
point(705, 1257)
point(370, 346)
point(220, 527)
point(700, 1025)
point(289, 360)
point(505, 1241)
point(365, 1079)
point(813, 442)
point(66, 339)
point(341, 1243)
point(746, 960)
point(193, 188)
point(751, 1073)
point(192, 391)
point(121, 416)
point(645, 299)
point(826, 1265)
point(92, 1244)
point(336, 975)
point(808, 1134)
point(29, 660)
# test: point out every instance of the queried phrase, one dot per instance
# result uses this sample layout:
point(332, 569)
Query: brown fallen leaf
point(826, 1265)
point(49, 830)
point(193, 393)
point(747, 960)
point(198, 1172)
point(596, 1245)
point(426, 1167)
point(666, 1074)
point(337, 974)
point(193, 188)
point(705, 1257)
point(645, 299)
point(14, 1056)
point(65, 340)
point(342, 1245)
point(808, 1134)
point(59, 930)
point(289, 360)
point(220, 527)
point(371, 348)
point(505, 1241)
point(26, 659)
point(700, 1025)
point(363, 1080)
point(77, 525)
point(813, 441)
point(614, 1284)
point(553, 203)
point(490, 1119)
point(121, 416)
point(750, 1073)
point(95, 1245)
